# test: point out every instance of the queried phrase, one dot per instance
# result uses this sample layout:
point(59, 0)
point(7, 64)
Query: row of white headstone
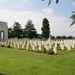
point(35, 43)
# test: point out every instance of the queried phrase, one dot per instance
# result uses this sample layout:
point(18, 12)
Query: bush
point(38, 51)
point(8, 46)
point(49, 51)
point(2, 45)
point(44, 50)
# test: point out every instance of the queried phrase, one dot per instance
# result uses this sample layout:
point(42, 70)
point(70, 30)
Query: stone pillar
point(4, 28)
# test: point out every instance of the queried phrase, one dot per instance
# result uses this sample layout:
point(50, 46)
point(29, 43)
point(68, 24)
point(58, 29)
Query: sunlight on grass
point(18, 62)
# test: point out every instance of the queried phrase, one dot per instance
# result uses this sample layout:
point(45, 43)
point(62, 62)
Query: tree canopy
point(29, 30)
point(73, 19)
point(17, 30)
point(45, 28)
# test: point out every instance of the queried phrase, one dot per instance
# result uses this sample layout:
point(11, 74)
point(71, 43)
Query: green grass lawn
point(18, 62)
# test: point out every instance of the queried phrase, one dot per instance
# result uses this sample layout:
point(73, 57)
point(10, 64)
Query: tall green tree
point(45, 28)
point(10, 32)
point(29, 30)
point(17, 30)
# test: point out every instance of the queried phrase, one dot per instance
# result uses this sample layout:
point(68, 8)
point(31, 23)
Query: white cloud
point(73, 3)
point(20, 3)
point(3, 0)
point(26, 1)
point(48, 10)
point(58, 24)
point(17, 4)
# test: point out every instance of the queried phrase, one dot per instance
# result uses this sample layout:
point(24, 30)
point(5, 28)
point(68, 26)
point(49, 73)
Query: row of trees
point(62, 37)
point(16, 31)
point(29, 31)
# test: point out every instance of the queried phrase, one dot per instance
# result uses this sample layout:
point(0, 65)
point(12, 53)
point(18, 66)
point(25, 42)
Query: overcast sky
point(58, 15)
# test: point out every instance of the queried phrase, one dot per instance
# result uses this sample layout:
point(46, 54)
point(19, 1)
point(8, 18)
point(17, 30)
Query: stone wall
point(4, 29)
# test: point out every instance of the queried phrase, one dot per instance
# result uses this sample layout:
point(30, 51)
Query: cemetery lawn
point(19, 62)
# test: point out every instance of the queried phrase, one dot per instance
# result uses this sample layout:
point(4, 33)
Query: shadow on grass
point(2, 74)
